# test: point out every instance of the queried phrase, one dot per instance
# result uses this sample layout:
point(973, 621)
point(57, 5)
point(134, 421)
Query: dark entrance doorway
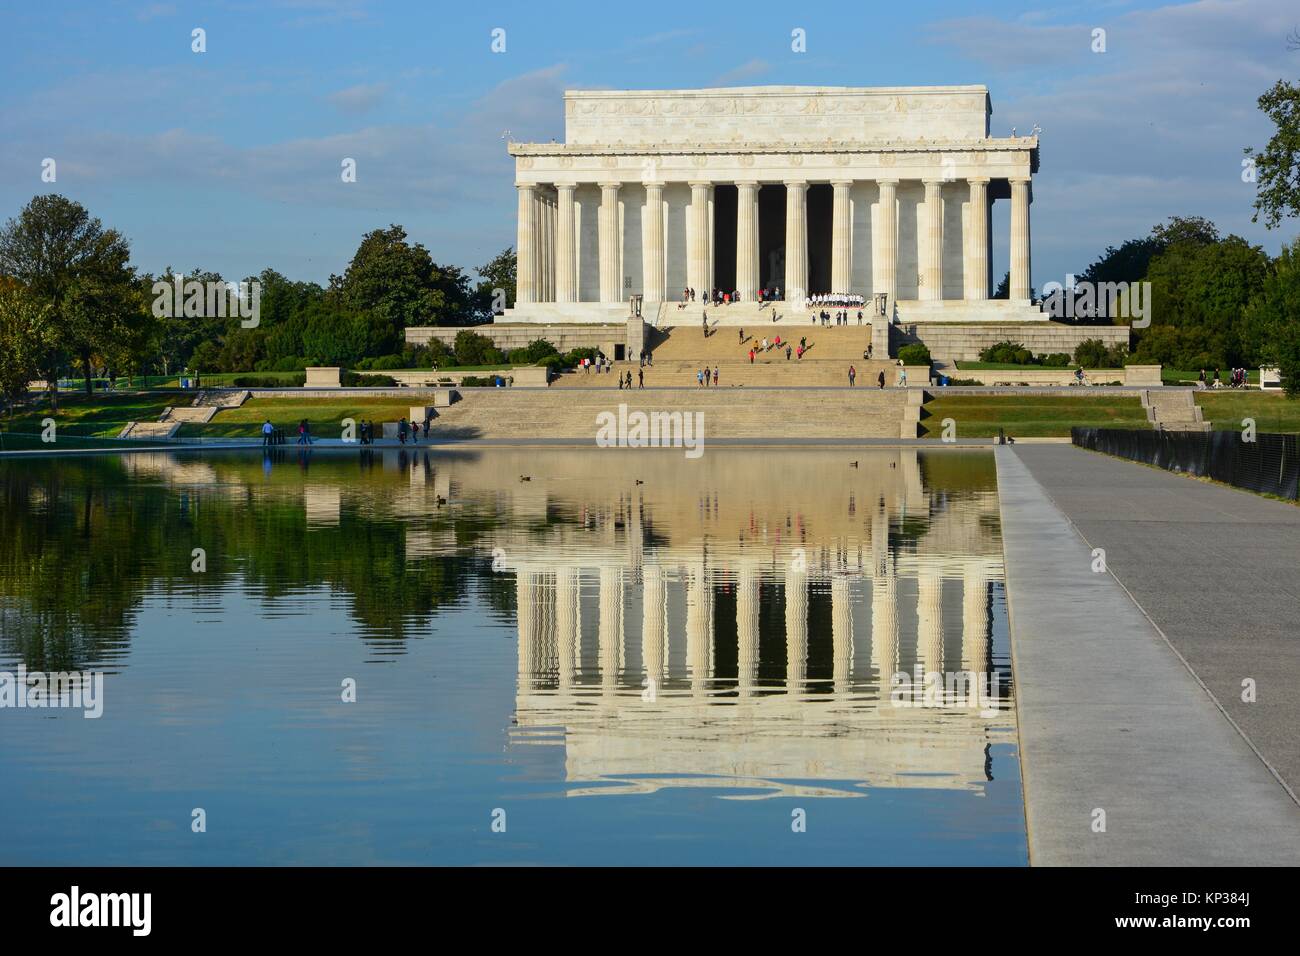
point(821, 198)
point(725, 201)
point(771, 235)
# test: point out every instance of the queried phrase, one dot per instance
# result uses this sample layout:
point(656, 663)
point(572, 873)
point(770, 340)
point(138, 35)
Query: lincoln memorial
point(884, 192)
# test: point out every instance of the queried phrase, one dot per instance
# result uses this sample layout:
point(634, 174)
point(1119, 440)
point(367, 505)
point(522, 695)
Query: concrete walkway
point(1110, 718)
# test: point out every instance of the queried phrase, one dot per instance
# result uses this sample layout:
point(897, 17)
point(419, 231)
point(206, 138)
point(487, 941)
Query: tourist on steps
point(853, 373)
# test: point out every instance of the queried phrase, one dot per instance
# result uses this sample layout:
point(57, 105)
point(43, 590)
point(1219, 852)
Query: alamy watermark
point(77, 690)
point(1091, 300)
point(651, 430)
point(208, 300)
point(972, 690)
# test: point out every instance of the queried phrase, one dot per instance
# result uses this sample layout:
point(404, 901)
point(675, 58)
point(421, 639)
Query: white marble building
point(809, 189)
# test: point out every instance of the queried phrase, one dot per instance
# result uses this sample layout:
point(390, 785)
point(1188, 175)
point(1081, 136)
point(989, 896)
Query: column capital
point(932, 181)
point(842, 182)
point(609, 185)
point(569, 186)
point(747, 182)
point(1018, 180)
point(977, 180)
point(522, 187)
point(653, 184)
point(700, 183)
point(886, 182)
point(795, 183)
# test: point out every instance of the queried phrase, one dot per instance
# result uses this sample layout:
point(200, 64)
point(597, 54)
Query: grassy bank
point(1030, 416)
point(324, 414)
point(1272, 411)
point(100, 416)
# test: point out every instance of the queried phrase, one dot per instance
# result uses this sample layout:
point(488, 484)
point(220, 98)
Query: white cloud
point(361, 98)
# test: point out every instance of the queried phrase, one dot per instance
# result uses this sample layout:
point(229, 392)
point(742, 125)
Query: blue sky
point(229, 160)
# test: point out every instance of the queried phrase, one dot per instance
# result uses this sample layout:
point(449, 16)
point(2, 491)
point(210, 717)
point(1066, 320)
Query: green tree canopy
point(1277, 168)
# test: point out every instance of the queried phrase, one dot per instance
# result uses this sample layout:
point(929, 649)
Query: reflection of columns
point(528, 616)
point(526, 246)
point(841, 238)
point(1020, 239)
point(699, 241)
point(841, 632)
point(747, 626)
point(929, 620)
point(566, 261)
point(652, 253)
point(610, 633)
point(932, 242)
point(975, 620)
point(699, 627)
point(796, 629)
point(610, 244)
point(747, 241)
point(568, 624)
point(884, 622)
point(885, 248)
point(796, 241)
point(976, 267)
point(653, 621)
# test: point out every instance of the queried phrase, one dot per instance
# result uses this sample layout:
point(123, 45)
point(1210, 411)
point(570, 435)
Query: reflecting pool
point(533, 656)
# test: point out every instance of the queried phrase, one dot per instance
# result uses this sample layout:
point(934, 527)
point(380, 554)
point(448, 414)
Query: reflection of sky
point(230, 702)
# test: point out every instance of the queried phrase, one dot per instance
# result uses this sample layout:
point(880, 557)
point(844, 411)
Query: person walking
point(751, 356)
point(268, 432)
point(880, 379)
point(715, 376)
point(401, 431)
point(853, 373)
point(699, 378)
point(640, 378)
point(787, 352)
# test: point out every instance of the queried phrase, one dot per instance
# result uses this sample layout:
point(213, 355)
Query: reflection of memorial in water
point(719, 634)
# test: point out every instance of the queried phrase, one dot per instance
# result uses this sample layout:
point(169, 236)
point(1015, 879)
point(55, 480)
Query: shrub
point(267, 381)
point(1006, 353)
point(1055, 360)
point(574, 358)
point(533, 352)
point(478, 381)
point(914, 354)
point(1093, 353)
point(357, 380)
point(474, 349)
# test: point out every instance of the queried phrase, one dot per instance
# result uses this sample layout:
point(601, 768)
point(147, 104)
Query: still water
point(508, 656)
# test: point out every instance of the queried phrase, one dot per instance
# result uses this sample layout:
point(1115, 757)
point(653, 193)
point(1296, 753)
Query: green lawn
point(324, 414)
point(1014, 367)
point(1272, 411)
point(102, 416)
point(1030, 416)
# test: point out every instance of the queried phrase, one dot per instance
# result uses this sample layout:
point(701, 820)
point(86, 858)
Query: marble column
point(699, 242)
point(885, 267)
point(528, 619)
point(841, 632)
point(841, 238)
point(652, 250)
point(747, 241)
point(546, 249)
point(699, 628)
point(526, 246)
point(1020, 199)
point(610, 245)
point(566, 247)
point(976, 266)
point(796, 241)
point(932, 243)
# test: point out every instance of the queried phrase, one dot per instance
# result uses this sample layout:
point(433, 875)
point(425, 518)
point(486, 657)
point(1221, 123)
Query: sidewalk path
point(1110, 718)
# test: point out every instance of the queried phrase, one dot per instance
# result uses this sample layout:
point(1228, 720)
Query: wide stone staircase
point(1174, 409)
point(516, 413)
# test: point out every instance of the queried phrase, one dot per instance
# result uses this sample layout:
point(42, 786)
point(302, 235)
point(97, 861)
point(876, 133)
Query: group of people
point(836, 300)
point(412, 428)
point(1236, 379)
point(600, 363)
point(626, 382)
point(840, 317)
point(776, 343)
point(723, 297)
point(702, 376)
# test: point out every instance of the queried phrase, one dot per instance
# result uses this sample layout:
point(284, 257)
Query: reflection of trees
point(82, 541)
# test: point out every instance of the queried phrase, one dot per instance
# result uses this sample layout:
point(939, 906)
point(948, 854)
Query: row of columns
point(543, 609)
point(547, 242)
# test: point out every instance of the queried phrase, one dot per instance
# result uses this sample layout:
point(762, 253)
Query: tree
point(496, 284)
point(1277, 168)
point(1272, 321)
point(26, 336)
point(67, 261)
point(400, 284)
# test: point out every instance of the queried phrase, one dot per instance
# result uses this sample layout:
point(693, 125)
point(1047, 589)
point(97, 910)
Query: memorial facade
point(883, 192)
